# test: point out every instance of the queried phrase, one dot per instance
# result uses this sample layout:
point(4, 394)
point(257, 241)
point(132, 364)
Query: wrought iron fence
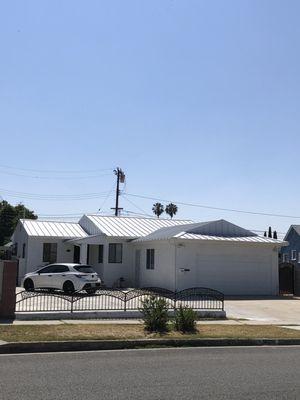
point(117, 300)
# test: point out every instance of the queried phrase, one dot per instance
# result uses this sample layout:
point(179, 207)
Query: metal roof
point(128, 227)
point(53, 229)
point(201, 232)
point(296, 228)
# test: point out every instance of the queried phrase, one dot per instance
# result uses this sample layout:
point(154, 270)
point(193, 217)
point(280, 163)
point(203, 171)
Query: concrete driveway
point(279, 311)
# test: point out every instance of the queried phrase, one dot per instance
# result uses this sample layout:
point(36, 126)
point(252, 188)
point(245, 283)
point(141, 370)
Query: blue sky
point(198, 101)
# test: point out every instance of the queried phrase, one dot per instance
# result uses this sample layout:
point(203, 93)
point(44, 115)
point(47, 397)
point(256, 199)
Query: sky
point(197, 101)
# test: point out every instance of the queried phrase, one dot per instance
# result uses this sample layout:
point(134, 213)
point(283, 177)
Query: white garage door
point(233, 274)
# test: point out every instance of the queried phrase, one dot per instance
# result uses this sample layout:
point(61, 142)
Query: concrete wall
point(232, 268)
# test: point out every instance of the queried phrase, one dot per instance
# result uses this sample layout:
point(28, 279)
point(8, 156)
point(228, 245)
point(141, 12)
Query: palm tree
point(158, 209)
point(171, 209)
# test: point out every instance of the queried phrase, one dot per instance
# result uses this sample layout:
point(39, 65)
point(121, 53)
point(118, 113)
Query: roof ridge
point(129, 217)
point(56, 222)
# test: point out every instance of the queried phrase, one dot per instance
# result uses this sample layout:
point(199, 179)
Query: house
point(144, 252)
point(290, 261)
point(292, 251)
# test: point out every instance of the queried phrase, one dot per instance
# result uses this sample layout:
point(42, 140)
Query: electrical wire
point(56, 171)
point(136, 206)
point(53, 197)
point(214, 208)
point(53, 177)
point(106, 198)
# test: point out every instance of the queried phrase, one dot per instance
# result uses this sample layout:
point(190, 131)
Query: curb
point(42, 347)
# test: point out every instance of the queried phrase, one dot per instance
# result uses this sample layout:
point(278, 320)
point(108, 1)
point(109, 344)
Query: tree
point(9, 217)
point(270, 232)
point(275, 235)
point(171, 209)
point(158, 209)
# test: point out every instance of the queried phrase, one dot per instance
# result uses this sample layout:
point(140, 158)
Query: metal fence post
point(125, 302)
point(72, 304)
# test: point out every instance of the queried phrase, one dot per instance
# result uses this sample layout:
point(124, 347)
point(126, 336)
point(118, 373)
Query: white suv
point(70, 278)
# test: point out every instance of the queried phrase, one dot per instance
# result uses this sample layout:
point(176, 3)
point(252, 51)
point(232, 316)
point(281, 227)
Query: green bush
point(155, 314)
point(185, 319)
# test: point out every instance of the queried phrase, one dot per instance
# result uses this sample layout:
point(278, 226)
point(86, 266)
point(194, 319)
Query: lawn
point(31, 333)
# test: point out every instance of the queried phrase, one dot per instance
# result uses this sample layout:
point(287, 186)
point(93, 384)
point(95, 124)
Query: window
point(115, 253)
point(87, 269)
point(47, 270)
point(23, 250)
point(49, 252)
point(60, 268)
point(150, 259)
point(15, 249)
point(100, 254)
point(294, 255)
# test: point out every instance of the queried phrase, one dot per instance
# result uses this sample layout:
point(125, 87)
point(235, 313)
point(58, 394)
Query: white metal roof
point(128, 227)
point(53, 229)
point(210, 231)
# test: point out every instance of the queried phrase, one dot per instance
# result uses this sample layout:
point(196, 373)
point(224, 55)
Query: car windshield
point(86, 269)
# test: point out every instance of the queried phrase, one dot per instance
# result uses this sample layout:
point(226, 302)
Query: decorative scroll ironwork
point(116, 300)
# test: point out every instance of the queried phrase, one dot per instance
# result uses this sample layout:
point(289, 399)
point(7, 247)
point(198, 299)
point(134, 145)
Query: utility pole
point(120, 179)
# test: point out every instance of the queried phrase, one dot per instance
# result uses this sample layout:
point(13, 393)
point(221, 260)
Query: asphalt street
point(191, 373)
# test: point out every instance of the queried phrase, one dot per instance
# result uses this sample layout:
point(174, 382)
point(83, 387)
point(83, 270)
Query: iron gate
point(117, 300)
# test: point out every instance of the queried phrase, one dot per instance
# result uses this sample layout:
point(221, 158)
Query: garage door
point(231, 274)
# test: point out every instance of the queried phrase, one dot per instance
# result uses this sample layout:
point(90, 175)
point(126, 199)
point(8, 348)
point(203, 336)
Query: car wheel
point(29, 285)
point(91, 291)
point(68, 287)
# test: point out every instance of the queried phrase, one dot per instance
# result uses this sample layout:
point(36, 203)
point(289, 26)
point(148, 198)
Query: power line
point(136, 206)
point(214, 208)
point(52, 177)
point(56, 171)
point(53, 197)
point(106, 198)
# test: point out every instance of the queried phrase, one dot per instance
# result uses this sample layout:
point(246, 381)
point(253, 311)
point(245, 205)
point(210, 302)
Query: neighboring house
point(156, 252)
point(291, 253)
point(290, 261)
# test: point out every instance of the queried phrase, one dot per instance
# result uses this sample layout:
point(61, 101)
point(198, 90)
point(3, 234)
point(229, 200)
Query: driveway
point(279, 311)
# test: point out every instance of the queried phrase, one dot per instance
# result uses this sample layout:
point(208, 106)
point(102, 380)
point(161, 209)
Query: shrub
point(185, 319)
point(155, 314)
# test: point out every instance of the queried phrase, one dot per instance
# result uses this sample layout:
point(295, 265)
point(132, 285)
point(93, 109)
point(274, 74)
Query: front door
point(137, 268)
point(76, 255)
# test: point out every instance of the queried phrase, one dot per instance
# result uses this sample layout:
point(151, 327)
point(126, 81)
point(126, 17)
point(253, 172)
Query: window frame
point(52, 251)
point(285, 257)
point(150, 259)
point(293, 255)
point(112, 253)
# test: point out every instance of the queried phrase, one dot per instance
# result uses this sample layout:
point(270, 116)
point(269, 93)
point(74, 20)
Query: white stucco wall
point(232, 268)
point(163, 274)
point(110, 273)
point(114, 271)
